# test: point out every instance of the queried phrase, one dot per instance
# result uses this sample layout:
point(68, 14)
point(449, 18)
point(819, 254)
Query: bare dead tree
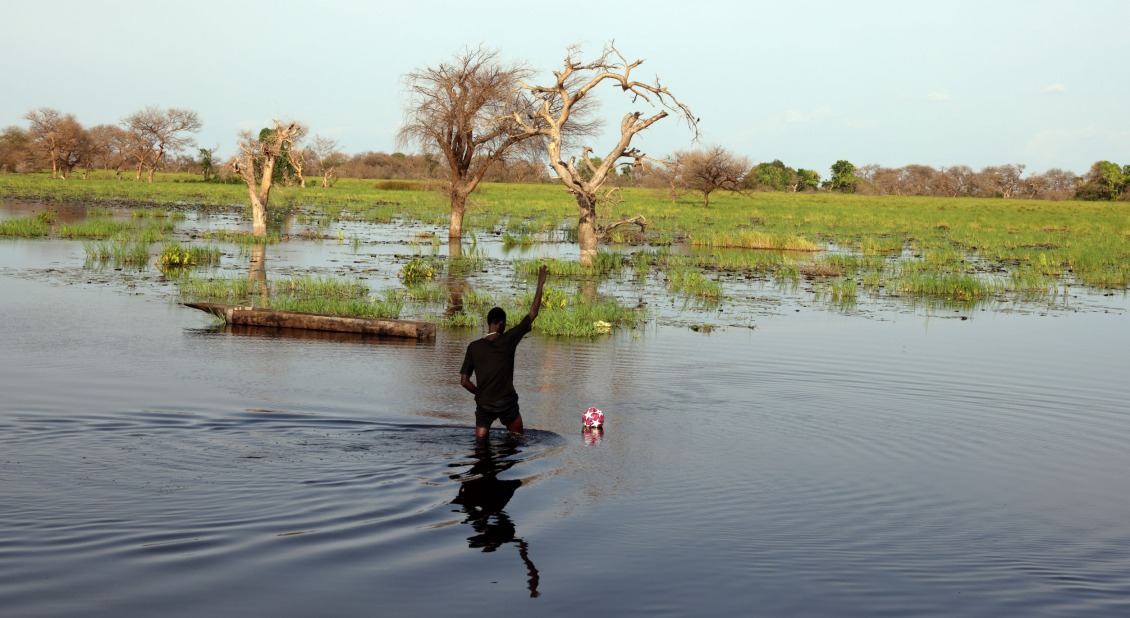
point(555, 104)
point(296, 154)
point(468, 111)
point(256, 164)
point(711, 169)
point(157, 132)
point(326, 155)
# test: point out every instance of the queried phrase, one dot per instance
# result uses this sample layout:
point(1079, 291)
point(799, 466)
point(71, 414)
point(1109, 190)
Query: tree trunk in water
point(586, 228)
point(458, 208)
point(258, 213)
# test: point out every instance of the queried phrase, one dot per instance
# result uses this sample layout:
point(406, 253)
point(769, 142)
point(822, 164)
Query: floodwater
point(797, 460)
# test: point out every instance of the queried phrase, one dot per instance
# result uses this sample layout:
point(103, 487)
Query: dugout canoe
point(253, 316)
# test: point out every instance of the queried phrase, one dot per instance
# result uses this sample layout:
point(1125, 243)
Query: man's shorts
point(505, 410)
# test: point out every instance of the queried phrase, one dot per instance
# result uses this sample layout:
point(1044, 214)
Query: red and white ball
point(592, 417)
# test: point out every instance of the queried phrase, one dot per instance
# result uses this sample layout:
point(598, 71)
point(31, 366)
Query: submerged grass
point(750, 239)
point(952, 287)
point(118, 252)
point(96, 228)
point(241, 238)
point(320, 287)
point(692, 284)
point(233, 289)
point(325, 295)
point(604, 263)
point(389, 306)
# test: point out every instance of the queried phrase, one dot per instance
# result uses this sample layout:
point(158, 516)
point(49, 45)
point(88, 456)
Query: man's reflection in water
point(483, 497)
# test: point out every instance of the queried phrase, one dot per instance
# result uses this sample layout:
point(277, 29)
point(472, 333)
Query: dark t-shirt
point(492, 362)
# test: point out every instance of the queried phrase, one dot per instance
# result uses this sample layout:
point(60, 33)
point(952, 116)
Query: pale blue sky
point(1039, 82)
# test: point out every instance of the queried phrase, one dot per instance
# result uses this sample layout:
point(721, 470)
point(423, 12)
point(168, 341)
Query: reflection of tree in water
point(257, 271)
point(456, 283)
point(483, 496)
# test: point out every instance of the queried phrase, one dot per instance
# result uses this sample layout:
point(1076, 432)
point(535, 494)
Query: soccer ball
point(592, 418)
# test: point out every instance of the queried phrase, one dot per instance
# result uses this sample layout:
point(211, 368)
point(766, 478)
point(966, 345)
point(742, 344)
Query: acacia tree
point(555, 104)
point(109, 147)
point(59, 138)
point(711, 169)
point(466, 111)
point(256, 166)
point(15, 149)
point(156, 132)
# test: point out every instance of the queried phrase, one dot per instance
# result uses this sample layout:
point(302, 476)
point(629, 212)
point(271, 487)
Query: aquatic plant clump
point(584, 317)
point(418, 269)
point(175, 255)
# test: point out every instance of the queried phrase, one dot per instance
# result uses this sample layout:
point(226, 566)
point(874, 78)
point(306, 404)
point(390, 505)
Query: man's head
point(496, 320)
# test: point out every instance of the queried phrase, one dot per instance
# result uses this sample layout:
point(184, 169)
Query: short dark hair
point(496, 315)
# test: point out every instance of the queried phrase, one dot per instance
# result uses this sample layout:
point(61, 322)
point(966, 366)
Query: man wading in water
point(491, 359)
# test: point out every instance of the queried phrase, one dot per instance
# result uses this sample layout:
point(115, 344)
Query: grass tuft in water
point(93, 228)
point(225, 289)
point(118, 252)
point(389, 306)
point(320, 287)
point(25, 227)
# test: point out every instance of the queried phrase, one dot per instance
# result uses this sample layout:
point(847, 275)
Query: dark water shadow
point(483, 498)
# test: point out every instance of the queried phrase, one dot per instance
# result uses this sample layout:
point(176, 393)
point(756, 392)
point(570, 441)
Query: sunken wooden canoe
point(252, 316)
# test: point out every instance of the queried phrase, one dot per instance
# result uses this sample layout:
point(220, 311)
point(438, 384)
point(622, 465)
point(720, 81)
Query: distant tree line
point(153, 139)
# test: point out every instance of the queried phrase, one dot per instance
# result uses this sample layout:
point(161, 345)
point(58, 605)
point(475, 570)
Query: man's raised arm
point(535, 306)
